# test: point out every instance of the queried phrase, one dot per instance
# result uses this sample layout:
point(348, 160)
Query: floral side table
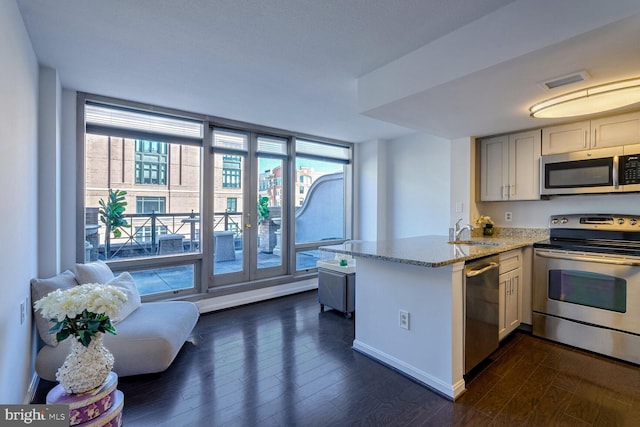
point(101, 407)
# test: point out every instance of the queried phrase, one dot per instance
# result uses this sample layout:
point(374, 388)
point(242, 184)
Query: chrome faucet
point(459, 230)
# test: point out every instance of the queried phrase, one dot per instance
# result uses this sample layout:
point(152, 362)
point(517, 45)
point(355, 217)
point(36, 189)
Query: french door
point(249, 206)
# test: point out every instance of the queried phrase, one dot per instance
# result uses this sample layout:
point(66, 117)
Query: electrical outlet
point(459, 207)
point(403, 319)
point(508, 216)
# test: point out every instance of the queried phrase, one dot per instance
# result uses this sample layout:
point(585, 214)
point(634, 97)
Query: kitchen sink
point(474, 243)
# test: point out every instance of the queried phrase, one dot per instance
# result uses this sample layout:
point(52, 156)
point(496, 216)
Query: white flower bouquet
point(82, 311)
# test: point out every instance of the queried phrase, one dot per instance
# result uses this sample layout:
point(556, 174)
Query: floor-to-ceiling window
point(322, 198)
point(189, 204)
point(141, 195)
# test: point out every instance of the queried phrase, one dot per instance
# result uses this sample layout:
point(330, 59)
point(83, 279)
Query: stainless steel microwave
point(605, 170)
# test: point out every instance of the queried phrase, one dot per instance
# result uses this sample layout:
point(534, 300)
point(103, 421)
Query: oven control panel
point(596, 222)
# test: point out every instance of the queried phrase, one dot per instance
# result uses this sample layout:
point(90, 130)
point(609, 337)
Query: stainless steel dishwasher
point(481, 310)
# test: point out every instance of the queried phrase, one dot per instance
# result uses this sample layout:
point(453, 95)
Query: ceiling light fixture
point(591, 100)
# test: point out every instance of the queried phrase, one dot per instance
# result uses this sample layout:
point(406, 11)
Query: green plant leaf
point(112, 212)
point(57, 327)
point(62, 335)
point(84, 337)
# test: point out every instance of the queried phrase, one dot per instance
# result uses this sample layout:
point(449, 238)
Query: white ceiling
point(451, 68)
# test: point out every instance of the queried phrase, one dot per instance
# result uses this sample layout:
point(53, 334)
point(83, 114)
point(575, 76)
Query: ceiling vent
point(577, 77)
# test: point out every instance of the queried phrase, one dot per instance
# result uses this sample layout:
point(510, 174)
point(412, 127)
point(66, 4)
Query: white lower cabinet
point(510, 294)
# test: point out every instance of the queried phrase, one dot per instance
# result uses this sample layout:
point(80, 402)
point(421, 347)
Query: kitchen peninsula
point(423, 277)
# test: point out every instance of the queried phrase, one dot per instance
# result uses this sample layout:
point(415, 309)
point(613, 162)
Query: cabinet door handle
point(595, 137)
point(505, 191)
point(584, 141)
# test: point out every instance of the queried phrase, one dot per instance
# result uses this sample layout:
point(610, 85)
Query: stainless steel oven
point(586, 290)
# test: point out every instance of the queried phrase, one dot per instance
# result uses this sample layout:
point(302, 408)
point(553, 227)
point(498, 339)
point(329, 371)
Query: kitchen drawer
point(510, 261)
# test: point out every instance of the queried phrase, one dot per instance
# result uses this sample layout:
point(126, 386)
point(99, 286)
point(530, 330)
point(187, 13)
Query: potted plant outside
point(112, 216)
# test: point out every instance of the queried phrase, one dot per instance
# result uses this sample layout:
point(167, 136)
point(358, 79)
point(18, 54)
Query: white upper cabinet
point(566, 138)
point(524, 166)
point(509, 167)
point(610, 131)
point(616, 130)
point(494, 168)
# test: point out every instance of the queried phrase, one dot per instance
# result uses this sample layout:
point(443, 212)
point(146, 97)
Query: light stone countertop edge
point(430, 251)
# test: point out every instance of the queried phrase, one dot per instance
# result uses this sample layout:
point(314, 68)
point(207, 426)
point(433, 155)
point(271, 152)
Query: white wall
point(19, 215)
point(535, 214)
point(462, 177)
point(370, 176)
point(428, 176)
point(418, 186)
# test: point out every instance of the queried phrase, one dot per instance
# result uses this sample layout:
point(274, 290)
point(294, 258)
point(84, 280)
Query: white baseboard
point(31, 391)
point(451, 391)
point(241, 298)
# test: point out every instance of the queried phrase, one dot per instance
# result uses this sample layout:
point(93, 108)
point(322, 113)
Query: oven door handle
point(614, 261)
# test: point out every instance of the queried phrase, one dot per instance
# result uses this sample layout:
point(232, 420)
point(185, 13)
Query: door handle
point(586, 258)
point(472, 273)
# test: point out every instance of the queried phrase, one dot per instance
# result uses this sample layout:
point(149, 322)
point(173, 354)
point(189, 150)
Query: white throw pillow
point(40, 288)
point(127, 285)
point(93, 272)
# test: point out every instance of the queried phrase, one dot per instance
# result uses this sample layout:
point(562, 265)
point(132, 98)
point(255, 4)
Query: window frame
point(332, 148)
point(202, 271)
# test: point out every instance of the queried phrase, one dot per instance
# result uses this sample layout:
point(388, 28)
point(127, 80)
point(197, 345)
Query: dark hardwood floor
point(283, 363)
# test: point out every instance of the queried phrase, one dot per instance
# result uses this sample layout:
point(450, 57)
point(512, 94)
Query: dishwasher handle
point(491, 266)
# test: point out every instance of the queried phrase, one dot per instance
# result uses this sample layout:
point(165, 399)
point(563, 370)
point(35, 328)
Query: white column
point(49, 235)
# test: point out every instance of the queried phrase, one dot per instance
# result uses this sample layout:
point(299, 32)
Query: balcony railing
point(142, 235)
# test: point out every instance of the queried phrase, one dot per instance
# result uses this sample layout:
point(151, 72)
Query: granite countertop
point(433, 251)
